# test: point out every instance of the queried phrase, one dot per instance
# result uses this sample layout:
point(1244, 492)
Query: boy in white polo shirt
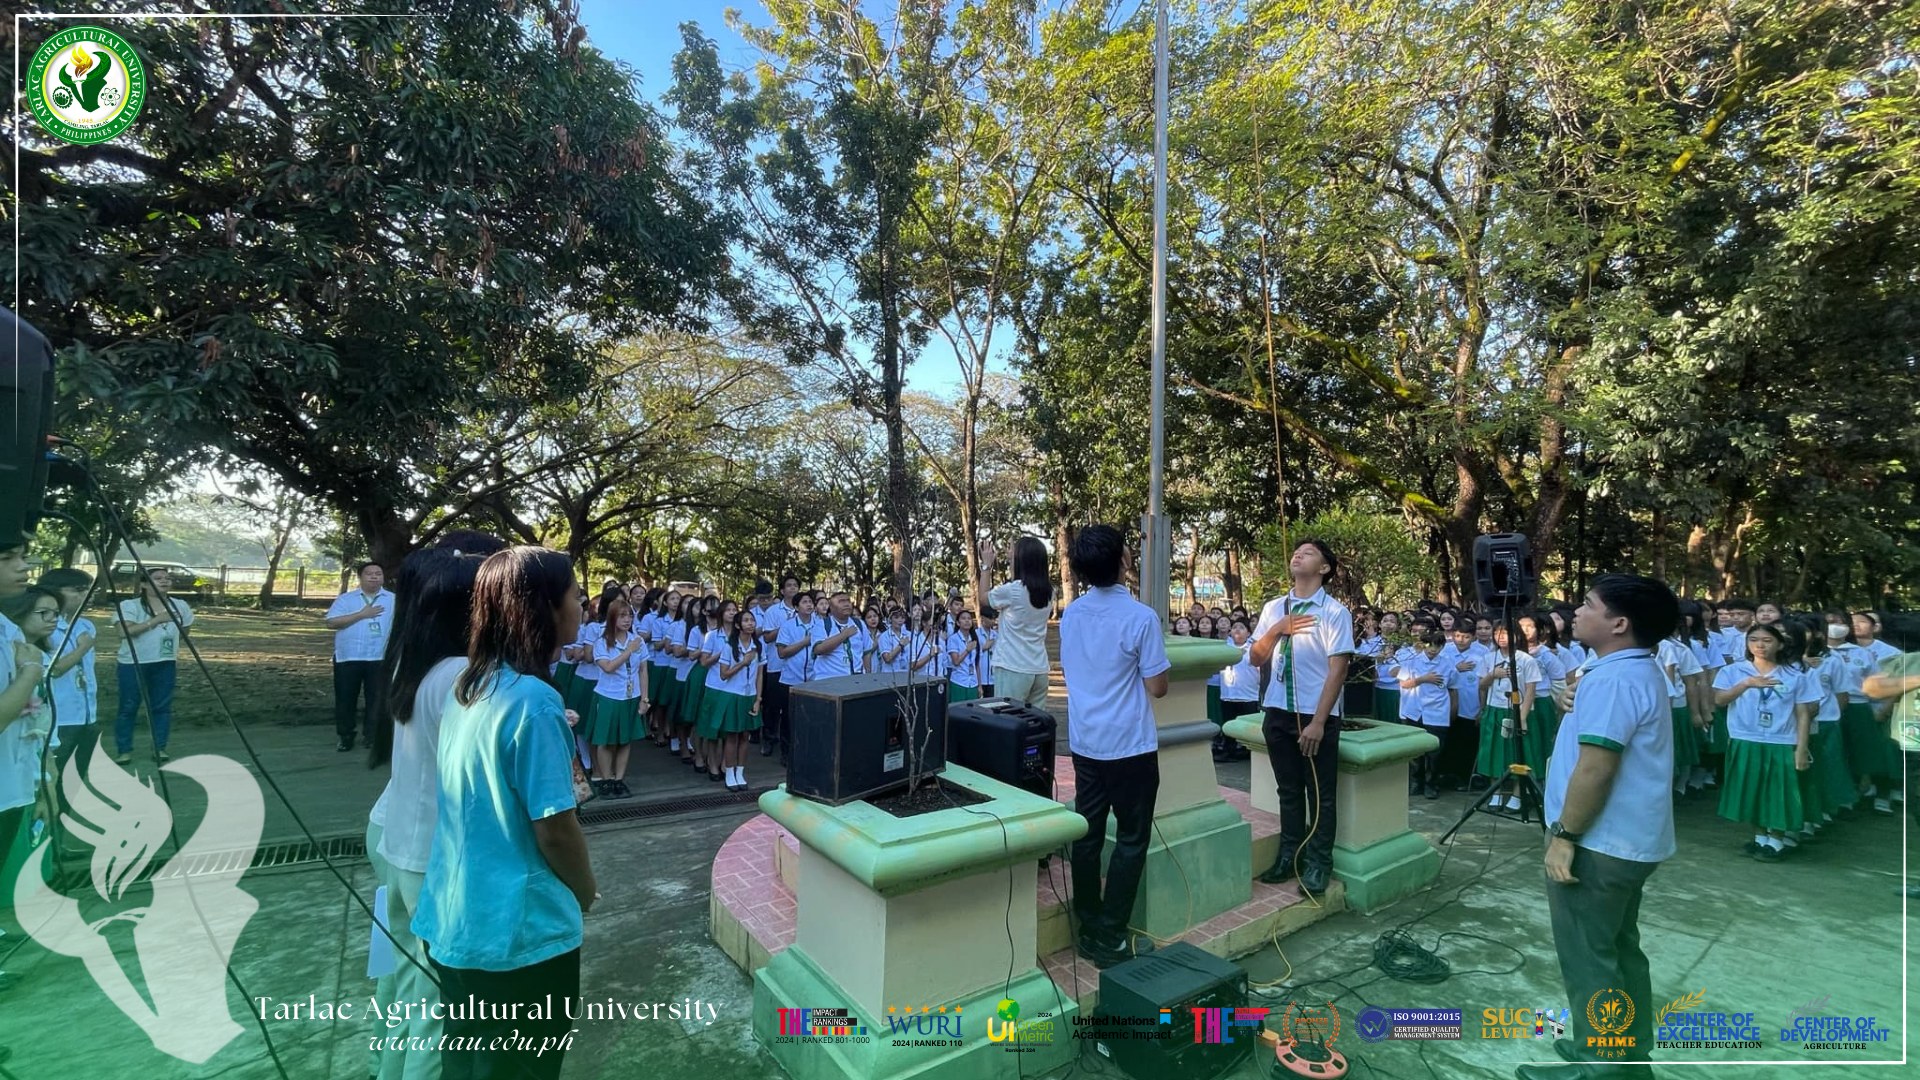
point(1113, 657)
point(1307, 638)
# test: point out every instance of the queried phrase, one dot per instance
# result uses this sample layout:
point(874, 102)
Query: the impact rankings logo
point(182, 934)
point(85, 85)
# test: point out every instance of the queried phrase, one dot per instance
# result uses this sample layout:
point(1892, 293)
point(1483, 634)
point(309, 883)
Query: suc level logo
point(85, 85)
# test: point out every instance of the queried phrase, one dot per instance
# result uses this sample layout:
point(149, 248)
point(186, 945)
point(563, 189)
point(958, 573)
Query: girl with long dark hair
point(152, 627)
point(509, 878)
point(621, 692)
point(1022, 607)
point(427, 651)
point(731, 707)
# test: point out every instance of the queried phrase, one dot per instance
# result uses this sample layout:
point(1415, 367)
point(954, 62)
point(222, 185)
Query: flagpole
point(1156, 551)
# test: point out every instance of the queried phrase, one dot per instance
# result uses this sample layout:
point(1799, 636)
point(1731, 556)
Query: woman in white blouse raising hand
point(1023, 606)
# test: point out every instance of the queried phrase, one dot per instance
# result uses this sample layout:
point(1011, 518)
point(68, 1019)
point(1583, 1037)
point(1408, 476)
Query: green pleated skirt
point(1543, 726)
point(1496, 751)
point(1871, 751)
point(957, 693)
point(1762, 788)
point(1686, 744)
point(1837, 789)
point(1214, 715)
point(1717, 738)
point(668, 692)
point(579, 696)
point(658, 677)
point(1386, 704)
point(563, 676)
point(722, 714)
point(614, 723)
point(694, 694)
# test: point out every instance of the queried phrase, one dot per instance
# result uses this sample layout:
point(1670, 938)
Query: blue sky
point(646, 33)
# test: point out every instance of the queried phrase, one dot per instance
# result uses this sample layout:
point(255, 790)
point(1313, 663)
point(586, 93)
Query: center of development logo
point(85, 85)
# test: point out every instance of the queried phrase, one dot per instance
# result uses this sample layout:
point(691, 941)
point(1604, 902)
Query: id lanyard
point(1767, 694)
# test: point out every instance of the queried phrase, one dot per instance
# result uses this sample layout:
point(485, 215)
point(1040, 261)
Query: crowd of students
point(703, 677)
point(1768, 707)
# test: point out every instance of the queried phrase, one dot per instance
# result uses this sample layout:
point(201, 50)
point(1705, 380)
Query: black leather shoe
point(1100, 955)
point(766, 749)
point(1314, 878)
point(1282, 870)
point(345, 746)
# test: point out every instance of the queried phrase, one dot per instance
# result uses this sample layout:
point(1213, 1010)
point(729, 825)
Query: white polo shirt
point(773, 619)
point(1622, 706)
point(1240, 680)
point(1023, 647)
point(1301, 671)
point(1109, 643)
point(1677, 665)
point(158, 645)
point(798, 668)
point(844, 660)
point(1766, 714)
point(75, 693)
point(366, 639)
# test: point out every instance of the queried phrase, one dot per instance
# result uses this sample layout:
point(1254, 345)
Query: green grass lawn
point(271, 667)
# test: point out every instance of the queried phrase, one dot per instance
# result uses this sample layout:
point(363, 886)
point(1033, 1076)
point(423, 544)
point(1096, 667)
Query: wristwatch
point(1559, 832)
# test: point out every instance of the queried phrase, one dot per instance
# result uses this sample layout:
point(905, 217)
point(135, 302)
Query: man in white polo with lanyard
point(1306, 637)
point(1610, 824)
point(359, 620)
point(773, 700)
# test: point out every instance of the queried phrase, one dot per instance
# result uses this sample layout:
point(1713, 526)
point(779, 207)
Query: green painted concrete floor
point(1752, 937)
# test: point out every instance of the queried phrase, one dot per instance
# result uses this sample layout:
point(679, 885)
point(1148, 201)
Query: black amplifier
point(1009, 740)
point(853, 736)
point(1170, 983)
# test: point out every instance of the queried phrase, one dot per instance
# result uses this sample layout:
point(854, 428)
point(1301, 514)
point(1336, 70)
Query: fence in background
point(238, 582)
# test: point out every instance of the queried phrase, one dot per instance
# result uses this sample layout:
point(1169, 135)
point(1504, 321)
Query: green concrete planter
point(892, 855)
point(1374, 852)
point(1197, 658)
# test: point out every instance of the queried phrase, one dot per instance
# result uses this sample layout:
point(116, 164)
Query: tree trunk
point(389, 541)
point(1232, 580)
point(970, 497)
point(1062, 539)
point(287, 514)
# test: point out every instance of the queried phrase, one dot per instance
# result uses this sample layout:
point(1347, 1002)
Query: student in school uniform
point(1826, 786)
point(1770, 709)
point(795, 645)
point(673, 688)
point(1874, 755)
point(732, 704)
point(773, 691)
point(1706, 649)
point(839, 640)
point(1463, 683)
point(707, 731)
point(152, 625)
point(706, 619)
point(76, 717)
point(929, 657)
point(1540, 641)
point(896, 643)
point(1506, 736)
point(1426, 703)
point(1375, 646)
point(963, 654)
point(1681, 670)
point(619, 698)
point(1239, 693)
point(989, 636)
point(579, 692)
point(661, 687)
point(870, 655)
point(1023, 605)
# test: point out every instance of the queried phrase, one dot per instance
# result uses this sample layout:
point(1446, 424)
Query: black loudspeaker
point(1174, 980)
point(851, 734)
point(1011, 741)
point(1503, 571)
point(26, 416)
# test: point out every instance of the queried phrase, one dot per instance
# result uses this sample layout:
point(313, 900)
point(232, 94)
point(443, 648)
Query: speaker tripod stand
point(1519, 775)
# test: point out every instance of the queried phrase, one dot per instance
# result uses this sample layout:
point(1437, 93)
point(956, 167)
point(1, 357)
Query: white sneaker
point(1513, 802)
point(1710, 781)
point(1870, 792)
point(1898, 795)
point(1882, 806)
point(1493, 800)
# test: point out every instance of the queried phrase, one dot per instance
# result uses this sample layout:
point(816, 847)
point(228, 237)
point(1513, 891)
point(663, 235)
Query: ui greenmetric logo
point(86, 85)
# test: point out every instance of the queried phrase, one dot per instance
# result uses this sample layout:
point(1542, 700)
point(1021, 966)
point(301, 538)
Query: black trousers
point(509, 1049)
point(1126, 788)
point(1297, 778)
point(773, 713)
point(355, 679)
point(1596, 931)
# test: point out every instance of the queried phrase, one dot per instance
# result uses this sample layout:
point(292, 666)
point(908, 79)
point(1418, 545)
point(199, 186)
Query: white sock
point(1871, 791)
point(1789, 840)
point(733, 774)
point(673, 744)
point(1776, 843)
point(1760, 838)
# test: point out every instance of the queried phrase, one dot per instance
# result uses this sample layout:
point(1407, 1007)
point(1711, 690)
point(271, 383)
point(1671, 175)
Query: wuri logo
point(183, 935)
point(925, 1026)
point(85, 85)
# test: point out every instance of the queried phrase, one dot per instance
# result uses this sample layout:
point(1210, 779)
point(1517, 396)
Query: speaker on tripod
point(26, 416)
point(1505, 578)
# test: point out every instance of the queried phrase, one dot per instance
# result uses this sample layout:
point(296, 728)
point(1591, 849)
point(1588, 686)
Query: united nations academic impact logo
point(86, 85)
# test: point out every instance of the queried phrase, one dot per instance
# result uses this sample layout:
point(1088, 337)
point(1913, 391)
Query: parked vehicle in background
point(181, 578)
